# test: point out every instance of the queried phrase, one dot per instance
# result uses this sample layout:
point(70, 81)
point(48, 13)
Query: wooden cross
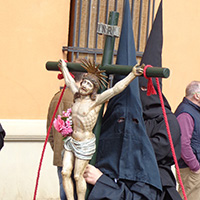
point(111, 31)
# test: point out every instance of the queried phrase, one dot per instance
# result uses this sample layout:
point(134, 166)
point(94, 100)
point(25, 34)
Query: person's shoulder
point(185, 117)
point(66, 95)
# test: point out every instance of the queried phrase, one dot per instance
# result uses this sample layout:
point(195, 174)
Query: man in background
point(188, 116)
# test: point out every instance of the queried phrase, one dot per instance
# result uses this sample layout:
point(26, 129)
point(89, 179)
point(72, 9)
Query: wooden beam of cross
point(112, 69)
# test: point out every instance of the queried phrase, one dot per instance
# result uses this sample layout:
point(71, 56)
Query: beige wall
point(181, 46)
point(32, 33)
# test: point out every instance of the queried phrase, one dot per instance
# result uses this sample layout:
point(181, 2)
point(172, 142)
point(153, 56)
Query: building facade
point(34, 32)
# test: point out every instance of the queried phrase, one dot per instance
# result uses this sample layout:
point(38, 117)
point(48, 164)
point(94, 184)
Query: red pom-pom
point(60, 76)
point(150, 87)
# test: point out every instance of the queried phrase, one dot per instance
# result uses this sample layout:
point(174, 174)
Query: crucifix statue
point(81, 145)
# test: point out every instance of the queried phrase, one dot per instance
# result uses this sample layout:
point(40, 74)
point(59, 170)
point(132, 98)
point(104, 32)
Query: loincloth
point(82, 149)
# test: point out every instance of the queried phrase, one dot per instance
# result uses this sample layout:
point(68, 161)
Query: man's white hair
point(192, 88)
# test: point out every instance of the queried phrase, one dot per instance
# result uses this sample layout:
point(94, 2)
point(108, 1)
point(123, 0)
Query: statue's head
point(91, 81)
point(89, 86)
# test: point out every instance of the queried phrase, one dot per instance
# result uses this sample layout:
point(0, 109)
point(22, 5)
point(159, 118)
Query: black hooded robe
point(125, 154)
point(2, 135)
point(157, 132)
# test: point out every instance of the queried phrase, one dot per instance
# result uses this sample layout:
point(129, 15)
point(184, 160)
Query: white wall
point(19, 162)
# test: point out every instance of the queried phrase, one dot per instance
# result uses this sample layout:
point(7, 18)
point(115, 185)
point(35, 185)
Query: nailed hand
point(138, 70)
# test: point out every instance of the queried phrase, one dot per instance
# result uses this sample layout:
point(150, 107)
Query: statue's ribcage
point(89, 121)
point(85, 118)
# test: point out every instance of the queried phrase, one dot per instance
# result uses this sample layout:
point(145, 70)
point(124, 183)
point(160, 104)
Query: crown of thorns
point(94, 69)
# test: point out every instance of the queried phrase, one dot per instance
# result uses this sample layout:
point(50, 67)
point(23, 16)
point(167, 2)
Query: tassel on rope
point(150, 88)
point(60, 76)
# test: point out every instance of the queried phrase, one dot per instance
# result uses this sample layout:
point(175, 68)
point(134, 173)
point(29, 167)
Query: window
point(85, 16)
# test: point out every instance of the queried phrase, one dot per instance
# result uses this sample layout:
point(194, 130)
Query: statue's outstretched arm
point(70, 82)
point(121, 85)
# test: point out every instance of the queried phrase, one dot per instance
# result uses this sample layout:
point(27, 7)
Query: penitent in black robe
point(125, 154)
point(157, 132)
point(153, 116)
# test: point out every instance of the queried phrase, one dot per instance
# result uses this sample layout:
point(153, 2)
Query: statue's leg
point(79, 169)
point(68, 164)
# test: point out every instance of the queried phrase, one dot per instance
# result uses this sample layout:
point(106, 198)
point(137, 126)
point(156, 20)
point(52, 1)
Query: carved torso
point(84, 116)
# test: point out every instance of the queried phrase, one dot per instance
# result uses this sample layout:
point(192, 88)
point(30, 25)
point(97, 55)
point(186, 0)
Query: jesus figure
point(81, 145)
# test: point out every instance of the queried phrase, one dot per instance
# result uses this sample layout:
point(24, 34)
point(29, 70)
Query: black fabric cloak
point(2, 135)
point(108, 189)
point(153, 115)
point(125, 153)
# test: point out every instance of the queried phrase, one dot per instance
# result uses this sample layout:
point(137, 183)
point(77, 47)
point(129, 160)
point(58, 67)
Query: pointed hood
point(153, 56)
point(125, 151)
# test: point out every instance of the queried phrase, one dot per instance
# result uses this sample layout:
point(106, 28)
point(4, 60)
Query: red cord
point(45, 143)
point(170, 139)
